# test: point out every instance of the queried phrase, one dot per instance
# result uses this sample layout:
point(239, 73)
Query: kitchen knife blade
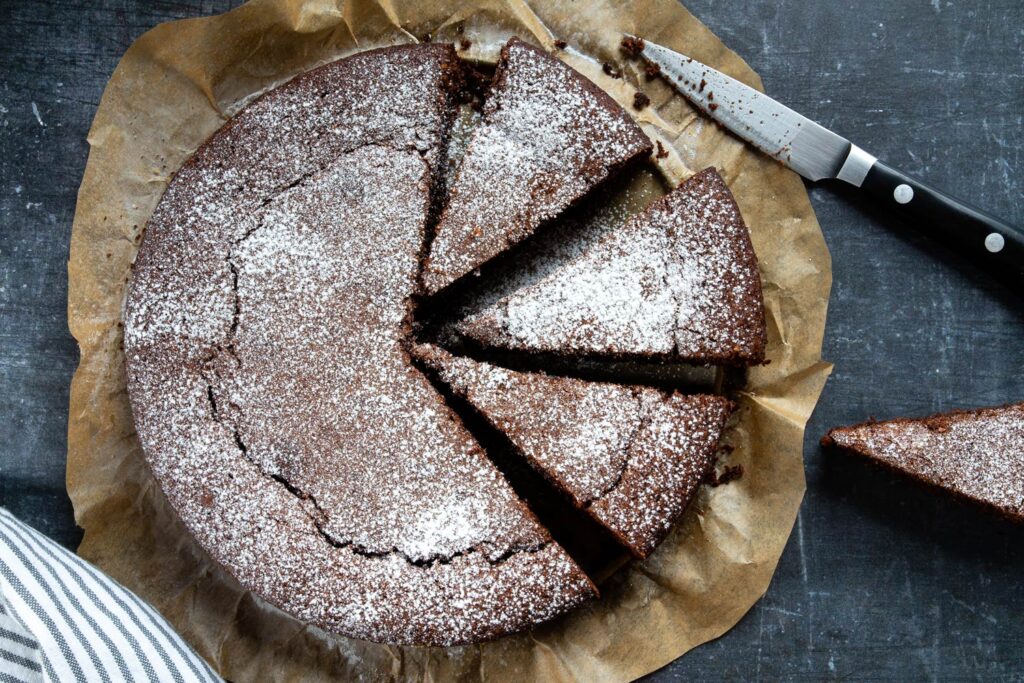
point(817, 153)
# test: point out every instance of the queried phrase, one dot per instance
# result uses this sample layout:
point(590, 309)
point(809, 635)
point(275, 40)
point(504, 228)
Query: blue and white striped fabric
point(61, 619)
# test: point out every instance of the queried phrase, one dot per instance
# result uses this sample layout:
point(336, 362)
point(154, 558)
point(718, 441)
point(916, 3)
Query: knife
point(817, 153)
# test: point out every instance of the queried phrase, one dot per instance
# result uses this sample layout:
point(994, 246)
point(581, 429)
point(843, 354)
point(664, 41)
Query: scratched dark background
point(880, 581)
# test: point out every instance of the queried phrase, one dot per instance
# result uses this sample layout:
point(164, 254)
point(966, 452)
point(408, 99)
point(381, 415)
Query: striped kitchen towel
point(61, 619)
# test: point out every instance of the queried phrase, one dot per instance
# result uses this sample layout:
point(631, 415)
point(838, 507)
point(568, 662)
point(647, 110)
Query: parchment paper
point(175, 86)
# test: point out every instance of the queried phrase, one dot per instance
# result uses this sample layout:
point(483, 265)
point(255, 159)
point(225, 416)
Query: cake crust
point(975, 455)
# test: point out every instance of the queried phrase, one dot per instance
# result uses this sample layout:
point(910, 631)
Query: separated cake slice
point(548, 135)
point(677, 282)
point(631, 456)
point(977, 455)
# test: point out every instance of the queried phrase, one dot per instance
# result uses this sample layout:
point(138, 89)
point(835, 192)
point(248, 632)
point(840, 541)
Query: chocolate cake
point(976, 455)
point(631, 456)
point(270, 313)
point(548, 136)
point(677, 282)
point(273, 400)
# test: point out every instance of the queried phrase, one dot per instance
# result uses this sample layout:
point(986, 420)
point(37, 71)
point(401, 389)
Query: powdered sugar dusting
point(976, 454)
point(669, 457)
point(617, 302)
point(262, 533)
point(323, 278)
point(547, 137)
point(452, 522)
point(632, 456)
point(714, 275)
point(398, 97)
point(678, 281)
point(575, 431)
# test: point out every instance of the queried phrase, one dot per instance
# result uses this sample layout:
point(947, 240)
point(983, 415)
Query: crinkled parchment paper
point(175, 86)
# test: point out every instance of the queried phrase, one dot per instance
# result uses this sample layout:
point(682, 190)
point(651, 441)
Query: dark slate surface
point(879, 580)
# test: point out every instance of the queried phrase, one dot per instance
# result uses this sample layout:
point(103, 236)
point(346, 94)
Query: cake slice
point(548, 135)
point(631, 456)
point(977, 455)
point(678, 282)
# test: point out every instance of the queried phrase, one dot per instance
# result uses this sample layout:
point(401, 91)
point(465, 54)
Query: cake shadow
point(682, 377)
point(915, 509)
point(593, 548)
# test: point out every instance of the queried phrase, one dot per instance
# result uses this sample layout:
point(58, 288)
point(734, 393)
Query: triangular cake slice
point(977, 455)
point(548, 135)
point(677, 282)
point(631, 456)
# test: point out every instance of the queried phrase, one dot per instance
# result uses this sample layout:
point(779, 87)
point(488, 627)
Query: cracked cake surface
point(678, 282)
point(631, 456)
point(976, 455)
point(271, 393)
point(547, 136)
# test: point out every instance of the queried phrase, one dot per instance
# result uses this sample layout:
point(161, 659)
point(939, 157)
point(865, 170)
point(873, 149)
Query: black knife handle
point(995, 244)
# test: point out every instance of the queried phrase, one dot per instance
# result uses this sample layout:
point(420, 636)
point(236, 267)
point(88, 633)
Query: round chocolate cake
point(267, 328)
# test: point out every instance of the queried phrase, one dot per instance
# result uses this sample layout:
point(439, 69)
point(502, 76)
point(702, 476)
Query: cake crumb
point(652, 71)
point(632, 46)
point(662, 152)
point(611, 70)
point(730, 474)
point(640, 100)
point(561, 44)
